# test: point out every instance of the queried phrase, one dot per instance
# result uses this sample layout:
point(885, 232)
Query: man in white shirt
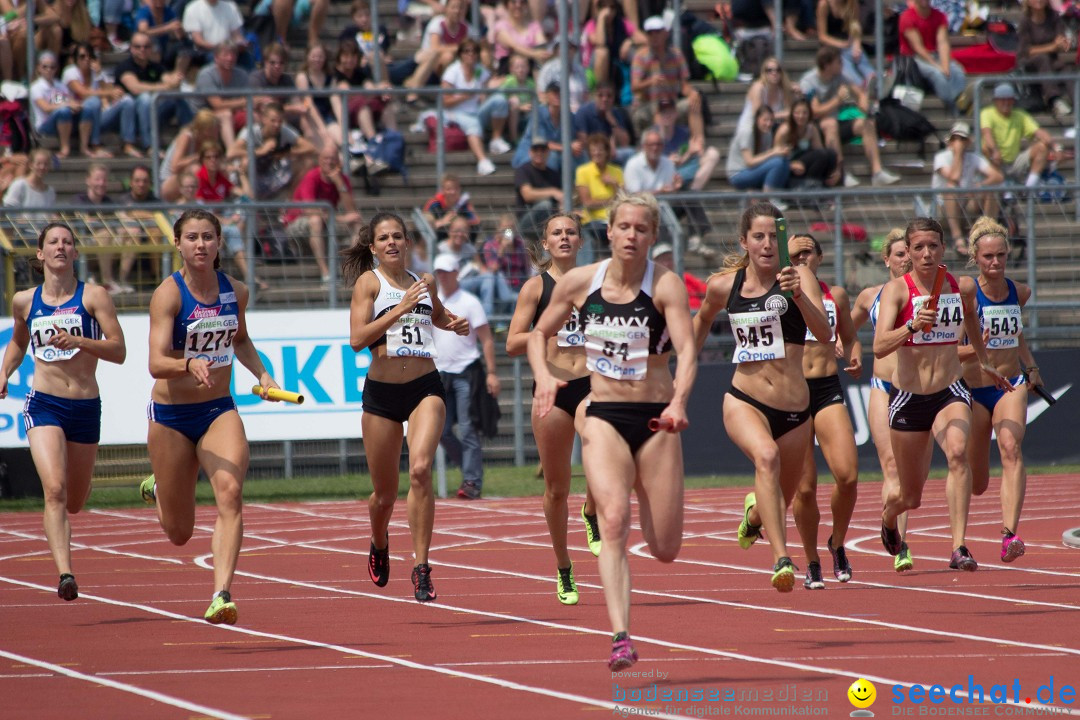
point(958, 167)
point(209, 23)
point(464, 374)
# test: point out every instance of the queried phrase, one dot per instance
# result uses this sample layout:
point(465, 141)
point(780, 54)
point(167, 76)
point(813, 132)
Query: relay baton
point(781, 243)
point(658, 424)
point(278, 394)
point(935, 293)
point(1039, 390)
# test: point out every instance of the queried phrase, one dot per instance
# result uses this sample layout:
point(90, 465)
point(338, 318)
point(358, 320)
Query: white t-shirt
point(457, 352)
point(20, 194)
point(974, 165)
point(454, 75)
point(72, 74)
point(216, 22)
point(435, 27)
point(638, 176)
point(54, 92)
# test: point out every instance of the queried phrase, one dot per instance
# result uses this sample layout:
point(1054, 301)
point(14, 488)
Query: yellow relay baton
point(282, 395)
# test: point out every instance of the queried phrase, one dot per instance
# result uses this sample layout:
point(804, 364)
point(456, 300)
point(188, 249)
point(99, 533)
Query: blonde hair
point(638, 199)
point(895, 235)
point(985, 227)
point(204, 124)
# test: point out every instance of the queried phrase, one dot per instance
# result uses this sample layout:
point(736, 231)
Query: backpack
point(751, 51)
point(699, 42)
point(15, 127)
point(899, 122)
point(454, 139)
point(714, 56)
point(389, 147)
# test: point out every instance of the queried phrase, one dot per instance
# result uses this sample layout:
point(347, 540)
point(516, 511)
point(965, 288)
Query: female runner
point(392, 313)
point(554, 433)
point(69, 326)
point(197, 327)
point(635, 312)
point(767, 408)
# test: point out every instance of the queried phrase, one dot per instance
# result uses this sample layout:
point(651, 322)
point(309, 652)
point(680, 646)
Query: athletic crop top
point(410, 335)
point(206, 332)
point(764, 324)
point(830, 312)
point(569, 335)
point(619, 337)
point(72, 317)
point(950, 320)
point(1002, 319)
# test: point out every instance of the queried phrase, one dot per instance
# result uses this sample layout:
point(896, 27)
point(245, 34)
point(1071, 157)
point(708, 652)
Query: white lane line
point(124, 687)
point(99, 548)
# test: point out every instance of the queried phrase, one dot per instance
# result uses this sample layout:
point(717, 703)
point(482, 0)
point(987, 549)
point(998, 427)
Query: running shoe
point(962, 560)
point(903, 560)
point(748, 534)
point(890, 538)
point(68, 588)
point(378, 564)
point(221, 610)
point(1012, 547)
point(469, 491)
point(421, 580)
point(813, 579)
point(841, 568)
point(567, 588)
point(148, 490)
point(592, 532)
point(783, 578)
point(623, 654)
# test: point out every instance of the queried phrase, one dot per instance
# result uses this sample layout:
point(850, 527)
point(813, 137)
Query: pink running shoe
point(1012, 547)
point(623, 654)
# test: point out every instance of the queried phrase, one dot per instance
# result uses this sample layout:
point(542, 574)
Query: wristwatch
point(910, 327)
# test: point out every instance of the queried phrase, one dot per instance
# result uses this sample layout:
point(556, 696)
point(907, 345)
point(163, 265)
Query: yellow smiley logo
point(862, 693)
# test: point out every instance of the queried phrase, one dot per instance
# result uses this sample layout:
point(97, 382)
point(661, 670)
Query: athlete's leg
point(223, 454)
point(425, 428)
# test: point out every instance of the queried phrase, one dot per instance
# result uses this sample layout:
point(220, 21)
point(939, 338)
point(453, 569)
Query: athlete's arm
point(674, 303)
point(806, 292)
point(164, 304)
point(1033, 377)
point(440, 316)
point(888, 339)
point(517, 337)
point(845, 331)
point(558, 311)
point(363, 330)
point(717, 290)
point(860, 313)
point(964, 348)
point(20, 338)
point(975, 338)
point(244, 349)
point(111, 347)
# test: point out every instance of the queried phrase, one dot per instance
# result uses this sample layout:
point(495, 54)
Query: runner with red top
point(929, 398)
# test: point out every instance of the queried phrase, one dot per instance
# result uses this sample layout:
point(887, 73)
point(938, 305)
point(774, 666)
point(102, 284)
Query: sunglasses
point(140, 46)
point(771, 70)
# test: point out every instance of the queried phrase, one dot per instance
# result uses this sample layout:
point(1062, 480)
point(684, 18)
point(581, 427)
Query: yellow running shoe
point(592, 532)
point(903, 560)
point(748, 534)
point(783, 578)
point(567, 588)
point(221, 610)
point(148, 490)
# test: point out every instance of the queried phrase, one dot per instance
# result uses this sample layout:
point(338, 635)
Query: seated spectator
point(214, 183)
point(281, 155)
point(812, 164)
point(137, 226)
point(1044, 49)
point(105, 104)
point(31, 190)
point(13, 39)
point(958, 167)
point(841, 110)
point(325, 182)
point(141, 189)
point(322, 121)
point(142, 77)
point(659, 72)
point(549, 128)
point(439, 46)
point(114, 15)
point(448, 204)
point(183, 151)
point(73, 24)
point(609, 38)
point(367, 113)
point(838, 26)
point(474, 113)
point(54, 108)
point(924, 39)
point(374, 49)
point(551, 71)
point(211, 23)
point(222, 74)
point(520, 103)
point(602, 116)
point(1004, 129)
point(297, 13)
point(273, 75)
point(517, 33)
point(662, 254)
point(538, 189)
point(98, 226)
point(597, 181)
point(485, 281)
point(694, 162)
point(755, 162)
point(773, 90)
point(160, 23)
point(505, 253)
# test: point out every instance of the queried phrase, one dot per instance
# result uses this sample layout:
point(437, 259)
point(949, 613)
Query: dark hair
point(536, 247)
point(199, 214)
point(347, 46)
point(141, 166)
point(735, 261)
point(36, 264)
point(599, 139)
point(924, 224)
point(826, 55)
point(757, 133)
point(358, 259)
point(276, 49)
point(469, 44)
point(274, 106)
point(90, 52)
point(793, 132)
point(817, 245)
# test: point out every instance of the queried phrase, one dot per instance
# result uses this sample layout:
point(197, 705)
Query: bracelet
point(187, 365)
point(1029, 368)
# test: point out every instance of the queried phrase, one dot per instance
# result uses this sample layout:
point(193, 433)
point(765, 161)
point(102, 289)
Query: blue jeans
point(63, 115)
point(166, 108)
point(474, 124)
point(467, 449)
point(946, 88)
point(490, 288)
point(772, 175)
point(118, 116)
point(857, 73)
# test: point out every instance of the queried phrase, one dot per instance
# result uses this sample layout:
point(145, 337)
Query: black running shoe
point(841, 568)
point(813, 579)
point(890, 538)
point(378, 564)
point(421, 580)
point(68, 588)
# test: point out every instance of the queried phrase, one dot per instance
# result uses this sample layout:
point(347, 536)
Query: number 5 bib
point(758, 336)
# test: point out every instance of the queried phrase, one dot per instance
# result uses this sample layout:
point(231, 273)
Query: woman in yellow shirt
point(597, 182)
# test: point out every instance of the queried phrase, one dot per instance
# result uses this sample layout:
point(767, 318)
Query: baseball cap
point(445, 262)
point(1004, 91)
point(539, 141)
point(654, 23)
point(961, 129)
point(659, 249)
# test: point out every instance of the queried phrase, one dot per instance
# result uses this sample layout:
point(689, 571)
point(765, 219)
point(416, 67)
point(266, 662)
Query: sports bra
point(206, 332)
point(763, 325)
point(569, 334)
point(950, 320)
point(411, 334)
point(1002, 319)
point(72, 317)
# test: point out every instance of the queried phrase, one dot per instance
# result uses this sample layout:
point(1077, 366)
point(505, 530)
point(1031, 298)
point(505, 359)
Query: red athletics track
point(316, 638)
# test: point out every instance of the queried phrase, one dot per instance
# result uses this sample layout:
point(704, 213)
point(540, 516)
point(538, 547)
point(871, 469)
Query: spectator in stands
point(755, 162)
point(477, 277)
point(114, 14)
point(73, 23)
point(141, 77)
point(299, 13)
point(841, 109)
point(551, 71)
point(183, 151)
point(694, 162)
point(54, 108)
point(597, 181)
point(222, 74)
point(549, 128)
point(520, 102)
point(659, 72)
point(373, 49)
point(473, 113)
point(1044, 49)
point(812, 164)
point(609, 39)
point(838, 26)
point(459, 243)
point(772, 89)
point(160, 23)
point(602, 116)
point(13, 40)
point(136, 226)
point(449, 204)
point(31, 190)
point(505, 254)
point(141, 189)
point(662, 254)
point(957, 166)
point(438, 48)
point(754, 14)
point(924, 38)
point(1004, 129)
point(215, 187)
point(106, 104)
point(273, 75)
point(281, 155)
point(325, 182)
point(367, 113)
point(98, 225)
point(210, 24)
point(538, 189)
point(517, 33)
point(322, 121)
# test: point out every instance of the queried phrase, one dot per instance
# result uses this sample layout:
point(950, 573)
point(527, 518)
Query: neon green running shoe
point(748, 534)
point(148, 491)
point(221, 610)
point(567, 588)
point(592, 532)
point(903, 560)
point(783, 578)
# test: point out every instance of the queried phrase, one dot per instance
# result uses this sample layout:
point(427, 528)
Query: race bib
point(411, 335)
point(618, 347)
point(830, 312)
point(211, 339)
point(44, 327)
point(570, 334)
point(757, 336)
point(949, 324)
point(1004, 324)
